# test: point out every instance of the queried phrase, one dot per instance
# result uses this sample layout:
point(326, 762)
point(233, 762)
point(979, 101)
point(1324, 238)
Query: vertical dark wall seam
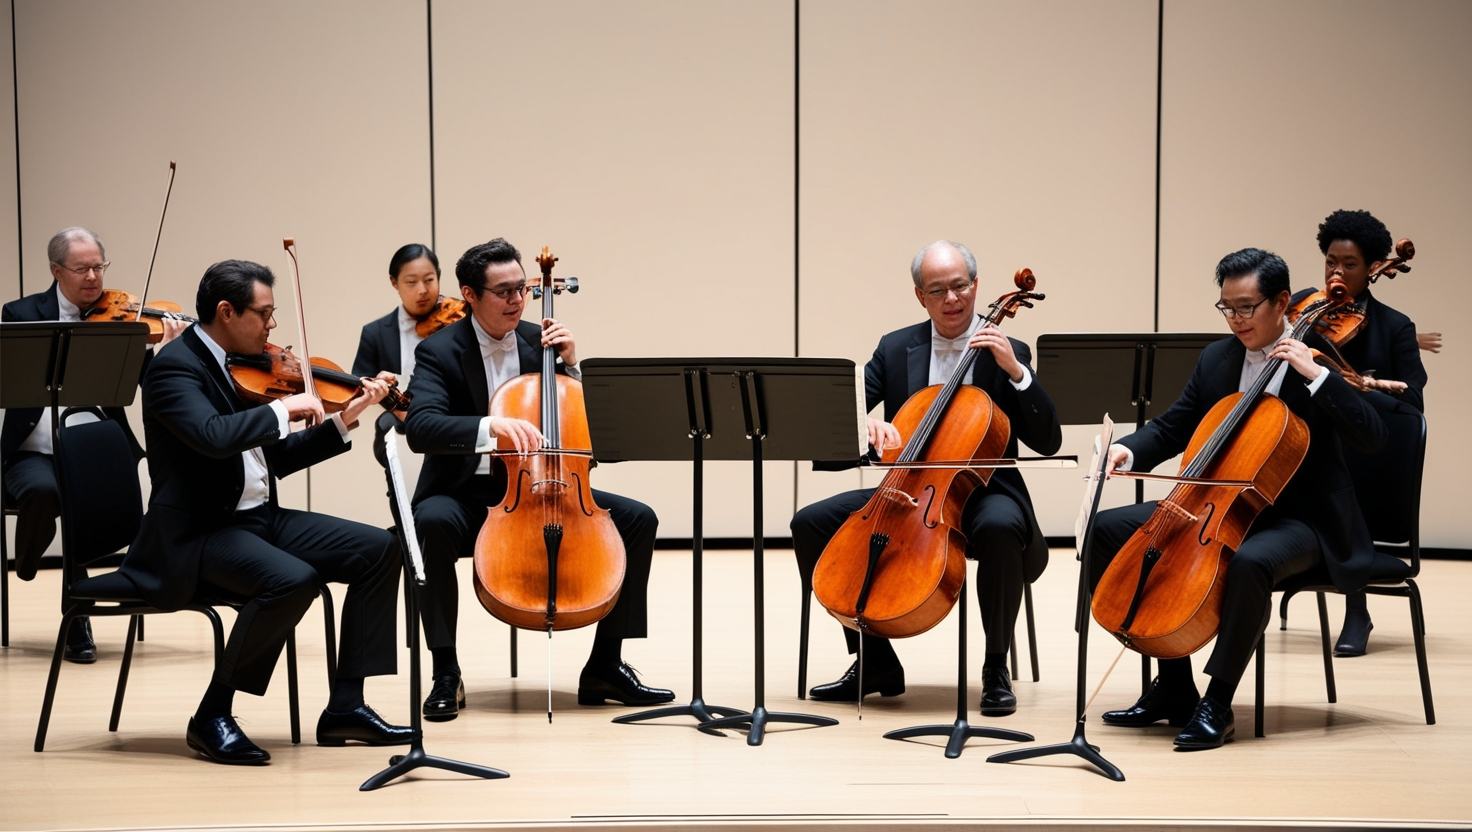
point(429, 40)
point(20, 266)
point(796, 175)
point(1159, 74)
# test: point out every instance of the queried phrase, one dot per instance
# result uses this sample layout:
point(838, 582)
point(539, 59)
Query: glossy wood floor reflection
point(1368, 761)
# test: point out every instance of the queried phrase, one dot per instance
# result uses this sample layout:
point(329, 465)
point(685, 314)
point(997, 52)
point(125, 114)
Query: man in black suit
point(1315, 520)
point(78, 262)
point(214, 530)
point(1001, 531)
point(388, 343)
point(457, 370)
point(1354, 243)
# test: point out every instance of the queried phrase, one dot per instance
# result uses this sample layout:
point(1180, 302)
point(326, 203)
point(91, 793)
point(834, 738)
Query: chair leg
point(1013, 651)
point(1328, 651)
point(291, 689)
point(51, 678)
point(1257, 707)
point(4, 588)
point(802, 637)
point(135, 622)
point(1283, 611)
point(514, 657)
point(140, 627)
point(329, 626)
point(1145, 674)
point(1032, 630)
point(218, 632)
point(1418, 630)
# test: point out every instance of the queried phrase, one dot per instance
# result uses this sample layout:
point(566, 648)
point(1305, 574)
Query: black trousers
point(275, 560)
point(1277, 547)
point(448, 527)
point(30, 482)
point(997, 533)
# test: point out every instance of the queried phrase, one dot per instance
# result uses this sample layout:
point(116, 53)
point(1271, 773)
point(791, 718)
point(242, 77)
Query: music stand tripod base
point(1078, 746)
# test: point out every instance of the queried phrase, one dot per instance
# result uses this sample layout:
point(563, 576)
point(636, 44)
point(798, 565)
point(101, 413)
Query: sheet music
point(1093, 482)
point(406, 513)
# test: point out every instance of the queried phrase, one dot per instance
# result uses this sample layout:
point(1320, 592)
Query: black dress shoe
point(620, 684)
point(220, 739)
point(997, 698)
point(79, 645)
point(1159, 702)
point(1210, 727)
point(1354, 638)
point(361, 724)
point(885, 681)
point(445, 699)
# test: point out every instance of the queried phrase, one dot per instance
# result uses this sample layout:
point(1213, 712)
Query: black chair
point(7, 510)
point(101, 509)
point(1388, 485)
point(807, 605)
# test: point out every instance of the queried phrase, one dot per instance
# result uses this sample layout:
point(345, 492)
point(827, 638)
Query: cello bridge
point(897, 496)
point(1177, 510)
point(536, 484)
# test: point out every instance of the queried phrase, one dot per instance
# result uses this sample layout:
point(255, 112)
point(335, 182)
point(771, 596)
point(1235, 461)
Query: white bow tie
point(505, 344)
point(952, 344)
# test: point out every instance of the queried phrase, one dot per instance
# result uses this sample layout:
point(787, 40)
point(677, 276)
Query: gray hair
point(920, 258)
point(61, 243)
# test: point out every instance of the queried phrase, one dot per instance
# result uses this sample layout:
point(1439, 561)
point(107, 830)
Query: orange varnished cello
point(1162, 593)
point(548, 558)
point(895, 567)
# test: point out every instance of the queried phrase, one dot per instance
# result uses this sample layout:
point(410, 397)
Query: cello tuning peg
point(571, 285)
point(536, 292)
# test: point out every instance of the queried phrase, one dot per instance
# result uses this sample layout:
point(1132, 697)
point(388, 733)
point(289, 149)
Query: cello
point(1162, 593)
point(895, 567)
point(548, 558)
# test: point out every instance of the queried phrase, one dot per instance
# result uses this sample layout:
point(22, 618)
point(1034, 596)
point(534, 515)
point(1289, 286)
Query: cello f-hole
point(929, 504)
point(1202, 536)
point(583, 488)
point(520, 475)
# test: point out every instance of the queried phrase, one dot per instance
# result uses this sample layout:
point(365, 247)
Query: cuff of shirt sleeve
point(574, 373)
point(484, 440)
point(1313, 386)
point(1129, 457)
point(1025, 383)
point(342, 428)
point(283, 419)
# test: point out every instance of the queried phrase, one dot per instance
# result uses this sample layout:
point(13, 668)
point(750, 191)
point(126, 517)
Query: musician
point(389, 342)
point(78, 262)
point(456, 373)
point(1001, 531)
point(1316, 519)
point(1353, 244)
point(214, 530)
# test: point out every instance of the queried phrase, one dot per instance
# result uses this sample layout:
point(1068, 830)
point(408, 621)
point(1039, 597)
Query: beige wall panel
point(286, 120)
point(1277, 114)
point(9, 215)
point(650, 145)
point(1024, 130)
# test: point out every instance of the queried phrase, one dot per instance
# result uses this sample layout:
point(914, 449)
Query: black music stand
point(1090, 374)
point(67, 364)
point(752, 408)
point(386, 450)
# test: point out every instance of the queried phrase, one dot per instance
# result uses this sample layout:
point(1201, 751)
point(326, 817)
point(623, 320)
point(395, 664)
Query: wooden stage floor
point(1369, 761)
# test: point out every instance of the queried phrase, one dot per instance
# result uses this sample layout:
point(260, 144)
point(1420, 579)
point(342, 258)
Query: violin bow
point(143, 298)
point(308, 383)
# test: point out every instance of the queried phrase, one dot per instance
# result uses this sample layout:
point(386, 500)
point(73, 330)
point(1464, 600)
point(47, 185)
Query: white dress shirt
point(945, 355)
point(39, 442)
point(502, 360)
point(408, 342)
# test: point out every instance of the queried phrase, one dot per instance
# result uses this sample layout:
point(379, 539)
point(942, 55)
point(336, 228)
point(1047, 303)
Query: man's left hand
point(556, 336)
point(1298, 356)
point(173, 328)
point(374, 389)
point(991, 338)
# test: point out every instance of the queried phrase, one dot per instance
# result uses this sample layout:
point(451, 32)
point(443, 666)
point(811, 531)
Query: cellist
point(1002, 534)
point(456, 374)
point(1316, 519)
point(1353, 243)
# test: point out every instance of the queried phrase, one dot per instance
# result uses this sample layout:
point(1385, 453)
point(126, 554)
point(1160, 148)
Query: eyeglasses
point(508, 292)
point(83, 271)
point(961, 290)
point(1243, 312)
point(267, 313)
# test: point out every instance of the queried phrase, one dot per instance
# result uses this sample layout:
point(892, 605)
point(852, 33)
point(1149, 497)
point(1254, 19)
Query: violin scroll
point(1025, 279)
point(1404, 250)
point(1006, 306)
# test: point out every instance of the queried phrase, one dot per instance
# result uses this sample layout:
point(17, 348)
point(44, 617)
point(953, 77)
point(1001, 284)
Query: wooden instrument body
point(919, 573)
point(271, 376)
point(1195, 530)
point(117, 305)
point(512, 568)
point(446, 311)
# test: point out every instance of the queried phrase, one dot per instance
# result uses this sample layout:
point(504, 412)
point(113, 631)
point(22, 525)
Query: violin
point(276, 374)
point(548, 557)
point(1161, 595)
point(117, 305)
point(896, 566)
point(1340, 325)
point(447, 311)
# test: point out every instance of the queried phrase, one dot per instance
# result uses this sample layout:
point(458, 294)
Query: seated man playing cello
point(1001, 532)
point(1315, 520)
point(456, 375)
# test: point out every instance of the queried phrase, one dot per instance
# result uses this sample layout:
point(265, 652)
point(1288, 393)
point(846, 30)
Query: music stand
point(752, 408)
point(386, 450)
point(1089, 374)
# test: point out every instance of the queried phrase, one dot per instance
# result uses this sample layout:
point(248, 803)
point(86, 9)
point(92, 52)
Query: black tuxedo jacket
point(19, 423)
point(1386, 348)
point(900, 367)
point(378, 347)
point(1321, 493)
point(449, 400)
point(197, 429)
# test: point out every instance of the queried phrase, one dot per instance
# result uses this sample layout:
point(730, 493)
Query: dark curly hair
point(1368, 234)
point(471, 268)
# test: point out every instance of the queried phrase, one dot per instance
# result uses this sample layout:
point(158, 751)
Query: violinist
point(214, 529)
point(455, 375)
point(389, 342)
point(1315, 520)
point(1002, 534)
point(78, 262)
point(1353, 243)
